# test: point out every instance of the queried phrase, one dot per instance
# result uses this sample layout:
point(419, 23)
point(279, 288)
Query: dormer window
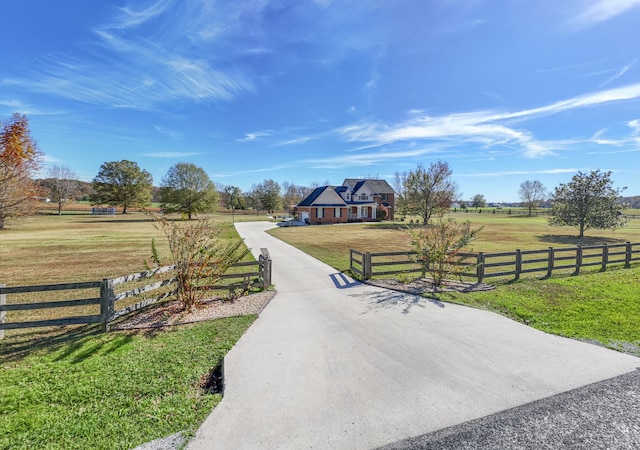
point(363, 197)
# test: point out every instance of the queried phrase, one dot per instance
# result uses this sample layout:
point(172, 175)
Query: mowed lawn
point(500, 233)
point(75, 387)
point(601, 307)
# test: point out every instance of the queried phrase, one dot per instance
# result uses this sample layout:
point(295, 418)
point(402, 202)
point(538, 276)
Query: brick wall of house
point(329, 216)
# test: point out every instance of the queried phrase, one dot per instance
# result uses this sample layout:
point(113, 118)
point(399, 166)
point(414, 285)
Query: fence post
point(578, 259)
point(366, 266)
point(551, 262)
point(266, 268)
point(518, 263)
point(627, 256)
point(605, 256)
point(351, 260)
point(107, 301)
point(480, 267)
point(3, 314)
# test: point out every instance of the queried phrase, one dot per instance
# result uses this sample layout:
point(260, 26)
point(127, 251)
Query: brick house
point(355, 200)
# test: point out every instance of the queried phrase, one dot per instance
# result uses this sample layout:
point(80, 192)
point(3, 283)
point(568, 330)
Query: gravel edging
point(171, 313)
point(172, 442)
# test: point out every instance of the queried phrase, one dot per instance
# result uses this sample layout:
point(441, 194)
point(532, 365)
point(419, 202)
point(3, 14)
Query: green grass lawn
point(600, 307)
point(84, 390)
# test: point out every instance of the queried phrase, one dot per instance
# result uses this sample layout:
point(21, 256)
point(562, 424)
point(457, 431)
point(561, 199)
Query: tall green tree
point(588, 201)
point(532, 193)
point(187, 189)
point(233, 198)
point(20, 158)
point(269, 193)
point(478, 201)
point(430, 190)
point(254, 198)
point(122, 183)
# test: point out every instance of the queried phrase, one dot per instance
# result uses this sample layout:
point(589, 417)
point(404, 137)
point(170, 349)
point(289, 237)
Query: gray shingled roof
point(378, 186)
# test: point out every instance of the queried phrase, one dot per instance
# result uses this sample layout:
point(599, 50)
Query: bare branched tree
point(531, 193)
point(62, 183)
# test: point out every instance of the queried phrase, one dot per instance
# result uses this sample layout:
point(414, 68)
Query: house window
point(348, 196)
point(337, 212)
point(320, 213)
point(384, 197)
point(363, 197)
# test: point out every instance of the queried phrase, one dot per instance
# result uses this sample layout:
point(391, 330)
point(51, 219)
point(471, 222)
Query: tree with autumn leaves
point(20, 158)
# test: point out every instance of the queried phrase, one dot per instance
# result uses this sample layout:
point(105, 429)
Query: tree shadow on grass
point(575, 240)
point(402, 226)
point(75, 343)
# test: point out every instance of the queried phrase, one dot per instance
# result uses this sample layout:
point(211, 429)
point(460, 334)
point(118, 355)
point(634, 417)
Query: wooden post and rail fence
point(482, 265)
point(250, 274)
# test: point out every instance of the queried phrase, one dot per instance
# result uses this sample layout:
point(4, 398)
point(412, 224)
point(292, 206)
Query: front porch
point(363, 212)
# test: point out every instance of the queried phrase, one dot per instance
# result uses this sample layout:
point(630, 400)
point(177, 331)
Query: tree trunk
point(124, 209)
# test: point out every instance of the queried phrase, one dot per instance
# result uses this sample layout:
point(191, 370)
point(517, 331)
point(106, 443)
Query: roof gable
point(374, 186)
point(323, 196)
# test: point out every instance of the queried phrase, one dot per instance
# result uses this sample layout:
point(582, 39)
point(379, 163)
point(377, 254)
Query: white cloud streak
point(603, 10)
point(519, 172)
point(135, 66)
point(487, 128)
point(173, 155)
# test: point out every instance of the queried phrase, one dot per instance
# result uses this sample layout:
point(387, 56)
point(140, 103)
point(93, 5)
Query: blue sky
point(307, 91)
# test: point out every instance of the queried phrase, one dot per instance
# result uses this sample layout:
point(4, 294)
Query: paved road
point(335, 364)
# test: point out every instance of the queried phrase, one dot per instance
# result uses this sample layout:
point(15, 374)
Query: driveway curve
point(332, 363)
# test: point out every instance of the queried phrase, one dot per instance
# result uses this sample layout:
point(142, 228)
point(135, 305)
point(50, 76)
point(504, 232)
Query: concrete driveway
point(335, 364)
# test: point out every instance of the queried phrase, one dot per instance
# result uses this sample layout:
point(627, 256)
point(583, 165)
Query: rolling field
point(500, 233)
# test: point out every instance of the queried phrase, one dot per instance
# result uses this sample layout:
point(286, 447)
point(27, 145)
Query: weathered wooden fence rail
point(248, 274)
point(482, 265)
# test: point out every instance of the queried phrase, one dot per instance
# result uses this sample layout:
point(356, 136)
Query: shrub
point(199, 255)
point(438, 245)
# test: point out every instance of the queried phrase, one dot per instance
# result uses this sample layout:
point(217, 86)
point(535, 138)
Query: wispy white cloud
point(50, 159)
point(174, 134)
point(619, 73)
point(130, 18)
point(375, 71)
point(248, 137)
point(383, 158)
point(130, 65)
point(296, 141)
point(18, 106)
point(519, 172)
point(174, 155)
point(603, 10)
point(488, 128)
